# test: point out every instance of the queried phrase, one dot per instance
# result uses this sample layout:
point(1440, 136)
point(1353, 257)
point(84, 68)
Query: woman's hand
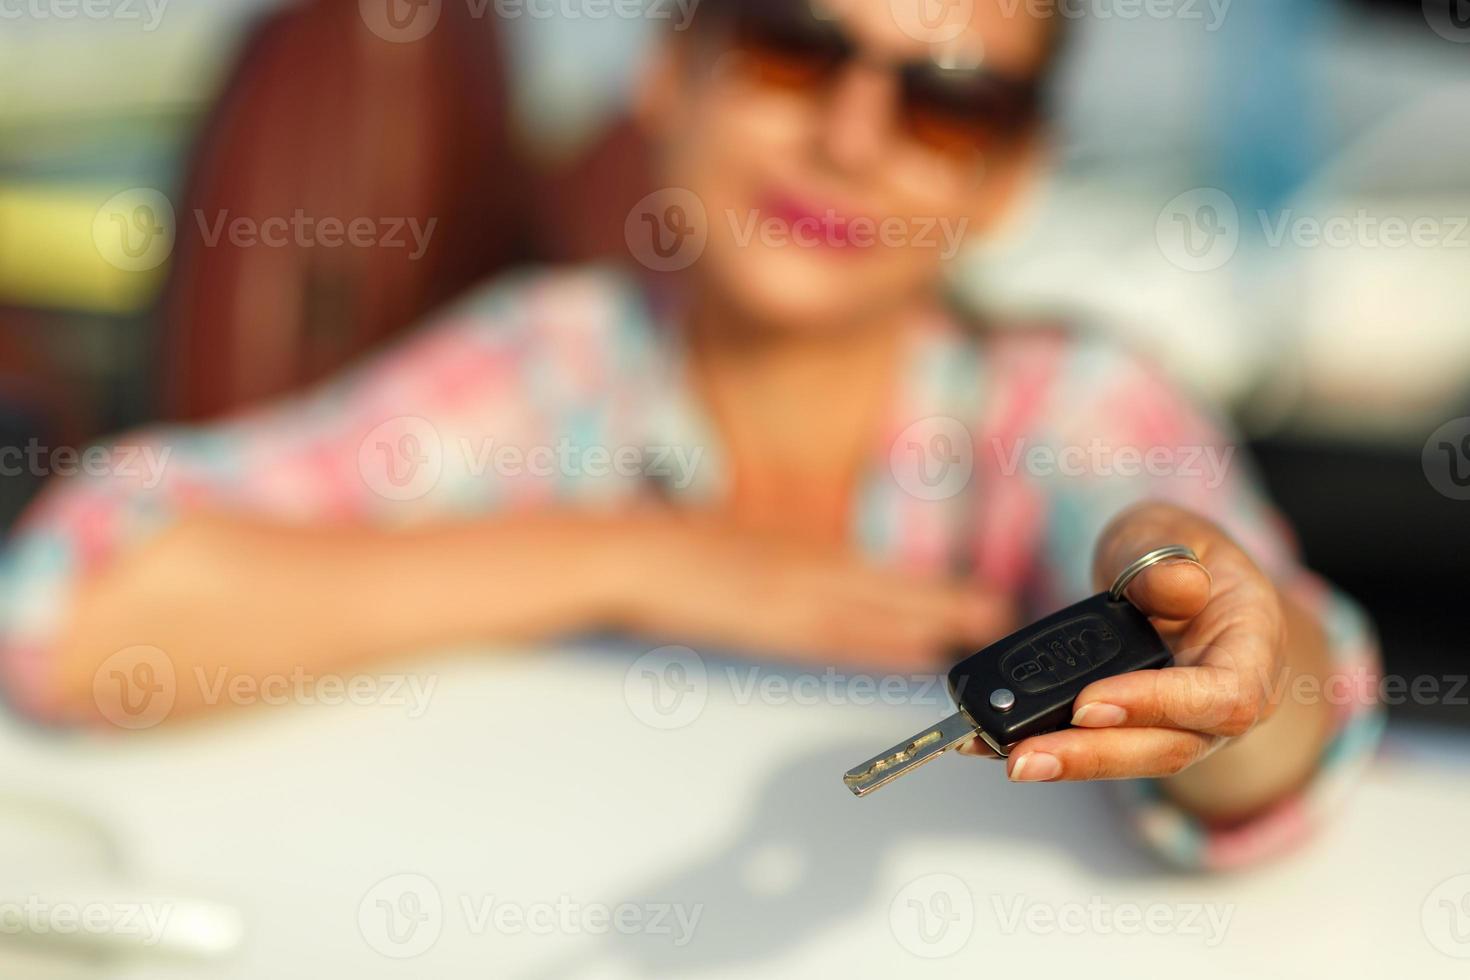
point(702, 580)
point(1228, 627)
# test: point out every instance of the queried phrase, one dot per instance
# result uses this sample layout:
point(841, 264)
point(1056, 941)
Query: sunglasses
point(959, 110)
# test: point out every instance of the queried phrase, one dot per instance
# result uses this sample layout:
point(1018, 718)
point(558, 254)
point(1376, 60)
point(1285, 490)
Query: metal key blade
point(910, 755)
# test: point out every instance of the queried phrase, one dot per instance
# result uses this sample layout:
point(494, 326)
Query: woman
point(859, 482)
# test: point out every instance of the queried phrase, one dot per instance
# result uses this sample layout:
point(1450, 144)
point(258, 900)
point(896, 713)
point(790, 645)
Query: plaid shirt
point(1004, 455)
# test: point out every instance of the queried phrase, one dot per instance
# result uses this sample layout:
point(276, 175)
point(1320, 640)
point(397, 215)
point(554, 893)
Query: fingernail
point(1099, 714)
point(1035, 767)
point(1186, 561)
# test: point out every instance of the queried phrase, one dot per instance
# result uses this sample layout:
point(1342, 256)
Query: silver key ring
point(1120, 586)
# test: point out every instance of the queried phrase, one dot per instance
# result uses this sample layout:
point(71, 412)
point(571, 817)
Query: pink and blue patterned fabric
point(578, 358)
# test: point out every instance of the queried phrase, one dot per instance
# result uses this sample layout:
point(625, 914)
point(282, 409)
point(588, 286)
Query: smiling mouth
point(811, 226)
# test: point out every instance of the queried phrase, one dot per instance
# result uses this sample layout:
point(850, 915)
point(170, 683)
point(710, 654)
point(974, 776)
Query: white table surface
point(530, 780)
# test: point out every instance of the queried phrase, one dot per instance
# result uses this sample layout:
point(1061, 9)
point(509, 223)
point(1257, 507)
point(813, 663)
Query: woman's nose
point(859, 119)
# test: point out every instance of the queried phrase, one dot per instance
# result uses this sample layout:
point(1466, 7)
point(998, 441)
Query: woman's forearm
point(244, 598)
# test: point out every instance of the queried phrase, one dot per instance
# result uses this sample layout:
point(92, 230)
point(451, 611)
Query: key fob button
point(1065, 652)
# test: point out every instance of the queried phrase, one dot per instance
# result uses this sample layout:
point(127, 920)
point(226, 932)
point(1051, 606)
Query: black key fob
point(1025, 684)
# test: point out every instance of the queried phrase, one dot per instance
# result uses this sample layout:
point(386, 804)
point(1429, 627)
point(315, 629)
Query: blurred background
point(1281, 134)
point(1224, 190)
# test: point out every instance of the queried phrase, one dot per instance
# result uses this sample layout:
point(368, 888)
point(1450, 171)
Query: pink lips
point(809, 226)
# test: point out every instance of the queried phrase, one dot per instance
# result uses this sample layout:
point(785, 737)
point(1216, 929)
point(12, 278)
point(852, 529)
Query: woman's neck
point(799, 414)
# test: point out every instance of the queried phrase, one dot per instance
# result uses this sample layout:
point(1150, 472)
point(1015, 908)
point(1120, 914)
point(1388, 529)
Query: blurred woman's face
point(842, 154)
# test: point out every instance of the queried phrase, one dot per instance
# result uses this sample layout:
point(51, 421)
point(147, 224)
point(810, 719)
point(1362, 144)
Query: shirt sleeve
point(1110, 432)
point(407, 438)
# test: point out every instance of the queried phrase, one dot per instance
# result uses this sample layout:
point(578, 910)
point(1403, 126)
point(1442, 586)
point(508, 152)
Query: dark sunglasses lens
point(965, 110)
point(785, 43)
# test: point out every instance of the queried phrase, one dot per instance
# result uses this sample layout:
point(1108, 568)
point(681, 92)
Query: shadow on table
point(829, 850)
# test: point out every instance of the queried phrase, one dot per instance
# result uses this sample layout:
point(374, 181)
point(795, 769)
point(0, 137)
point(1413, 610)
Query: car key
point(1025, 684)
